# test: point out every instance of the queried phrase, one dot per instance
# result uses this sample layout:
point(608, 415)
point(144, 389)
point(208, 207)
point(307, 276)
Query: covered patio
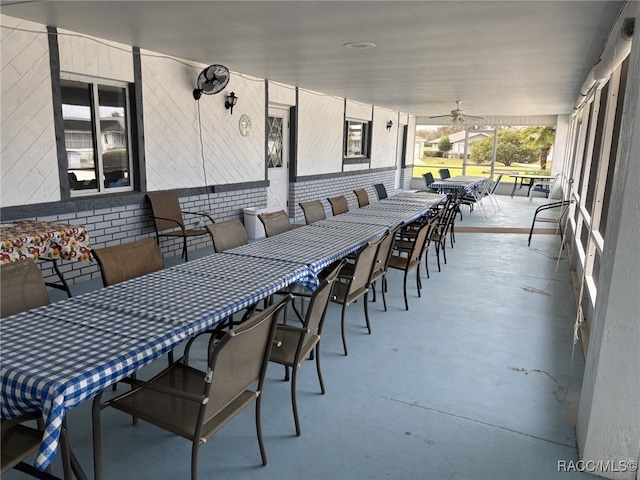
point(480, 380)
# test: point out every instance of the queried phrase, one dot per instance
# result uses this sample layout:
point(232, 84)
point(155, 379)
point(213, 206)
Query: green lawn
point(432, 164)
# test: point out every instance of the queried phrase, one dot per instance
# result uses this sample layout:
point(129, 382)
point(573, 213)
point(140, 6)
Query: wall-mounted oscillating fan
point(211, 80)
point(457, 114)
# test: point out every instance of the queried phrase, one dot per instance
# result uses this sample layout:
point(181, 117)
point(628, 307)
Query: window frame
point(365, 148)
point(94, 83)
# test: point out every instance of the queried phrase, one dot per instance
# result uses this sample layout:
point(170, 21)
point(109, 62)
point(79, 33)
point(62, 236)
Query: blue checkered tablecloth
point(419, 198)
point(312, 245)
point(60, 355)
point(462, 182)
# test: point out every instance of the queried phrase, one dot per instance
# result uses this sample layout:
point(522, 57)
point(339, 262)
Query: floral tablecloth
point(45, 240)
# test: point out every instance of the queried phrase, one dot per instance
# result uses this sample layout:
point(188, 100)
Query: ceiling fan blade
point(473, 116)
point(441, 116)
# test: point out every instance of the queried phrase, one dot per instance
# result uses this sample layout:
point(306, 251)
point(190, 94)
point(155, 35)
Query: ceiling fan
point(457, 114)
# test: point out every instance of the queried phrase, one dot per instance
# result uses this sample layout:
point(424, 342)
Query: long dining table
point(55, 357)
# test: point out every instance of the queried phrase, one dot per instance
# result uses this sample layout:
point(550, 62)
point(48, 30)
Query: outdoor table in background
point(42, 240)
point(531, 181)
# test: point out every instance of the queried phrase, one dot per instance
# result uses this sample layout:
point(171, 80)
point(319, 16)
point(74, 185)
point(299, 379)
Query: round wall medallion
point(245, 125)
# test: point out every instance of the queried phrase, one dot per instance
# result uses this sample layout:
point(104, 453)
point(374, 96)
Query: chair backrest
point(317, 309)
point(364, 265)
point(227, 235)
point(339, 205)
point(381, 191)
point(384, 251)
point(428, 178)
point(423, 237)
point(129, 260)
point(275, 222)
point(363, 197)
point(165, 208)
point(555, 188)
point(496, 183)
point(23, 287)
point(313, 211)
point(444, 173)
point(240, 358)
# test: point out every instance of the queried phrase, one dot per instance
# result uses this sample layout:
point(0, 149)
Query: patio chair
point(196, 404)
point(563, 205)
point(19, 441)
point(129, 260)
point(294, 344)
point(313, 211)
point(227, 235)
point(381, 191)
point(168, 220)
point(406, 236)
point(491, 193)
point(546, 187)
point(407, 257)
point(476, 198)
point(381, 266)
point(443, 227)
point(444, 173)
point(354, 283)
point(339, 205)
point(276, 223)
point(363, 197)
point(428, 180)
point(23, 287)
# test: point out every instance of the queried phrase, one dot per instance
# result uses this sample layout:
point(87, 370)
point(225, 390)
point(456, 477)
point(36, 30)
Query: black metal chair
point(381, 191)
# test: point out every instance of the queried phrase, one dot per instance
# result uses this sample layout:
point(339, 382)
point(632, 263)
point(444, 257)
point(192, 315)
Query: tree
point(445, 145)
point(541, 139)
point(510, 149)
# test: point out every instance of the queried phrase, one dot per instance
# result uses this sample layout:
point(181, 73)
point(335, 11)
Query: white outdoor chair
point(547, 187)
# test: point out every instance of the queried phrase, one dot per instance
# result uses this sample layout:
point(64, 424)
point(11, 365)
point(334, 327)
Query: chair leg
point(438, 254)
point(426, 262)
point(383, 287)
point(317, 350)
point(294, 404)
point(344, 337)
point(184, 250)
point(366, 311)
point(263, 452)
point(418, 281)
point(97, 438)
point(194, 458)
point(406, 302)
point(373, 289)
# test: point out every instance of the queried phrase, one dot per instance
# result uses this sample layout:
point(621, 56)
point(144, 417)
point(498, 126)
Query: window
point(356, 139)
point(97, 136)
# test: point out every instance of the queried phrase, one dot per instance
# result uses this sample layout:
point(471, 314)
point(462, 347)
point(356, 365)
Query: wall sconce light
point(230, 102)
point(389, 125)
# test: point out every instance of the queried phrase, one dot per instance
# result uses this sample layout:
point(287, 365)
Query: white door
point(278, 160)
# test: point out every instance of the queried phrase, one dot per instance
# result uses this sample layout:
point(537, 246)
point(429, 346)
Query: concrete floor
point(479, 380)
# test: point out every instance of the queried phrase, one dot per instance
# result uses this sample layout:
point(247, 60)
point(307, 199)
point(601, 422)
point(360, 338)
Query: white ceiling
point(502, 58)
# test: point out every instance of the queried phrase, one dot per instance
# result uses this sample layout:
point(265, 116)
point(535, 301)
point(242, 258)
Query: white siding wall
point(320, 126)
point(172, 131)
point(358, 111)
point(95, 57)
point(281, 94)
point(29, 167)
point(383, 148)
